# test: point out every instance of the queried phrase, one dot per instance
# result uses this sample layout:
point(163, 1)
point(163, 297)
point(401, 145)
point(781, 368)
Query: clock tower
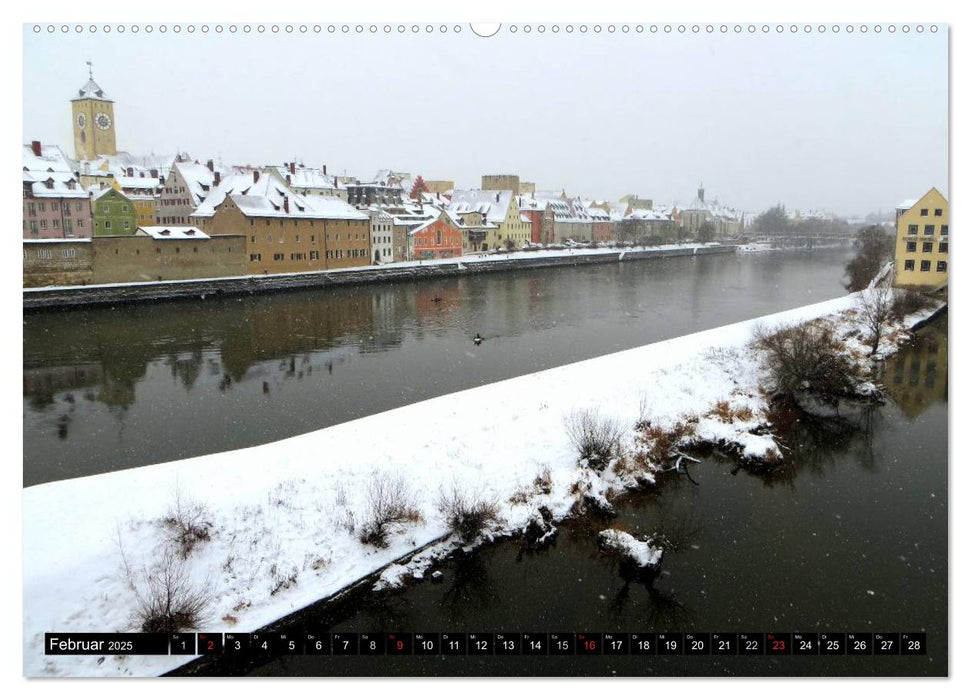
point(94, 121)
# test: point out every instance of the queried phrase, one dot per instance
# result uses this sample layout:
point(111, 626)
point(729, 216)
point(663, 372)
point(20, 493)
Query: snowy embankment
point(281, 524)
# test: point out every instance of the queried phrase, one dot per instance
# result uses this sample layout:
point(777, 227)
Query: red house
point(439, 238)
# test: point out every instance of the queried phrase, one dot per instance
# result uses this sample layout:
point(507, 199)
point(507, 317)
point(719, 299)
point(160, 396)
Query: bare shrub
point(187, 524)
point(595, 437)
point(907, 302)
point(282, 580)
point(166, 599)
point(389, 502)
point(807, 358)
point(467, 515)
point(543, 483)
point(725, 412)
point(656, 445)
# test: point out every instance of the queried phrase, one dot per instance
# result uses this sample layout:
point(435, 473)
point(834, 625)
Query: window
point(928, 247)
point(944, 229)
point(911, 246)
point(929, 230)
point(925, 265)
point(938, 212)
point(912, 230)
point(941, 266)
point(107, 224)
point(278, 256)
point(44, 254)
point(80, 223)
point(942, 248)
point(908, 264)
point(254, 257)
point(297, 237)
point(923, 212)
point(69, 253)
point(314, 255)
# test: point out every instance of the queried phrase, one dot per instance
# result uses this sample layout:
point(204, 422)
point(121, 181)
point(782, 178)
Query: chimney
point(209, 165)
point(325, 168)
point(131, 172)
point(286, 204)
point(293, 168)
point(288, 179)
point(153, 172)
point(216, 178)
point(497, 196)
point(35, 147)
point(256, 176)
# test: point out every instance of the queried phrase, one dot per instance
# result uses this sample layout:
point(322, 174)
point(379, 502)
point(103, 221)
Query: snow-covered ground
point(283, 519)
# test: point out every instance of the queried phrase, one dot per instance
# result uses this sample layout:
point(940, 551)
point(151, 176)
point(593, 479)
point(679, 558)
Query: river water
point(115, 388)
point(850, 535)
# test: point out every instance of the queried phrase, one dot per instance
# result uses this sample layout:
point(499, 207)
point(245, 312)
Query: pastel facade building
point(55, 205)
point(921, 248)
point(382, 237)
point(439, 238)
point(112, 214)
point(286, 232)
point(499, 209)
point(187, 184)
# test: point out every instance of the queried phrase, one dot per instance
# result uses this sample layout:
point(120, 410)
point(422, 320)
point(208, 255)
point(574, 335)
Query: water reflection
point(262, 368)
point(916, 377)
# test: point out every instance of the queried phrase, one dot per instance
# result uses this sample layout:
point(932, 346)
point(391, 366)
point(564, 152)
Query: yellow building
point(920, 253)
point(494, 211)
point(94, 122)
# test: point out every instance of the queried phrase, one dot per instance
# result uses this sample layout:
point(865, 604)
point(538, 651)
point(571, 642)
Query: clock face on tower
point(82, 120)
point(103, 121)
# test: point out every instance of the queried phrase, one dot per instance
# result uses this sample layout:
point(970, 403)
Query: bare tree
point(876, 312)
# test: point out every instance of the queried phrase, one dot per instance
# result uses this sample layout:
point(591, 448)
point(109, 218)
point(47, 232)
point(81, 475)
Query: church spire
point(701, 191)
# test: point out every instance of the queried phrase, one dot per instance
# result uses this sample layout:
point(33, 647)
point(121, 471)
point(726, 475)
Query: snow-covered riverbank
point(283, 520)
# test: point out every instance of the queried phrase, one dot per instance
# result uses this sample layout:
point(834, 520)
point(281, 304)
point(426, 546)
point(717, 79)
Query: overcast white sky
point(849, 123)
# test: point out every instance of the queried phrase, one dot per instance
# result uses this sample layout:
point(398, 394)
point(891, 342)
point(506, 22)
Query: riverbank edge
point(438, 551)
point(664, 355)
point(57, 298)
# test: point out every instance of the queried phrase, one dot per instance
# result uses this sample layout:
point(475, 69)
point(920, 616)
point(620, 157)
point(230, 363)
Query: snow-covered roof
point(171, 232)
point(51, 173)
point(441, 215)
point(714, 209)
point(91, 91)
point(309, 178)
point(565, 210)
point(269, 196)
point(648, 215)
point(906, 204)
point(492, 204)
point(99, 192)
point(119, 163)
